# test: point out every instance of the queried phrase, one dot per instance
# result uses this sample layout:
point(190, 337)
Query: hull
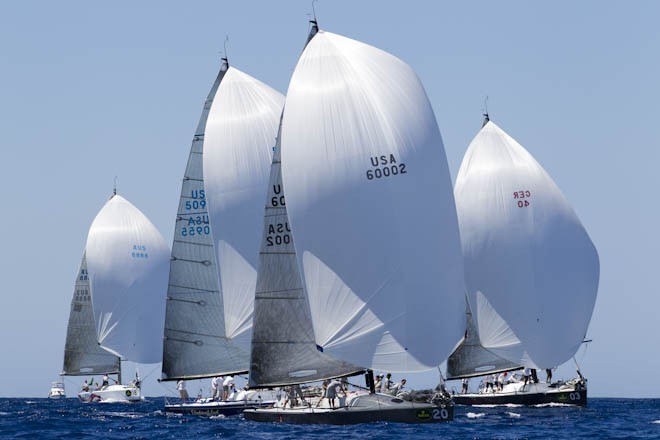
point(234, 406)
point(535, 394)
point(216, 408)
point(113, 394)
point(56, 395)
point(365, 409)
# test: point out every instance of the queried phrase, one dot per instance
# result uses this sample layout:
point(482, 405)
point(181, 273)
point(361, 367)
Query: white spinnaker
point(128, 263)
point(370, 202)
point(240, 134)
point(525, 250)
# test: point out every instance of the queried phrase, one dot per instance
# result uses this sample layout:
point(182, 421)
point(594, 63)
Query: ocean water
point(70, 419)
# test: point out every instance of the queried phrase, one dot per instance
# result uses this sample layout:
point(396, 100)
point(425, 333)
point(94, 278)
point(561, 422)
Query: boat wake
point(472, 415)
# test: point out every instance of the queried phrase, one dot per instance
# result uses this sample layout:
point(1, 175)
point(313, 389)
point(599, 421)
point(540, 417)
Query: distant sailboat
point(375, 278)
point(210, 296)
point(118, 302)
point(531, 272)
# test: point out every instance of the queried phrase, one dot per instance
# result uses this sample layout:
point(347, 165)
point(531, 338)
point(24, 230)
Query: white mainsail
point(216, 241)
point(82, 353)
point(369, 197)
point(531, 269)
point(127, 261)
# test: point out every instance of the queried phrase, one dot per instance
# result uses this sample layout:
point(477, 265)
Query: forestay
point(82, 353)
point(531, 268)
point(369, 198)
point(127, 260)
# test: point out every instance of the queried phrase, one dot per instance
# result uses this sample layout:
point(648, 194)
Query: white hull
point(357, 408)
point(57, 391)
point(113, 394)
point(573, 392)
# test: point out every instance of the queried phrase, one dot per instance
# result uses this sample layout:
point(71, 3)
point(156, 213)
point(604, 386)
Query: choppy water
point(70, 419)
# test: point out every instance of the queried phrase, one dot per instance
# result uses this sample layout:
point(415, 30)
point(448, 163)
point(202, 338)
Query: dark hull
point(414, 413)
point(213, 409)
point(568, 397)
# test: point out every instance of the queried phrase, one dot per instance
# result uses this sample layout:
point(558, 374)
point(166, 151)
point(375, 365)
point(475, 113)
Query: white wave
point(512, 414)
point(656, 421)
point(217, 417)
point(472, 415)
point(2, 413)
point(545, 405)
point(485, 406)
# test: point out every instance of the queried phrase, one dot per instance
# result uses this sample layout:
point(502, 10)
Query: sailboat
point(374, 280)
point(117, 307)
point(210, 297)
point(531, 272)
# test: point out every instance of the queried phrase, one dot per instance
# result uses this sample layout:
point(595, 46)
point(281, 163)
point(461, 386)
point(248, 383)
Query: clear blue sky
point(94, 90)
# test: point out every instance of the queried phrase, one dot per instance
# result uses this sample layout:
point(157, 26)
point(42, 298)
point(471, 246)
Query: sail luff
point(82, 353)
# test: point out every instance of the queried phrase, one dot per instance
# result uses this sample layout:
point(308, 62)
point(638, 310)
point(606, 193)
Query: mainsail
point(530, 266)
point(471, 358)
point(284, 349)
point(82, 353)
point(212, 275)
point(369, 198)
point(127, 260)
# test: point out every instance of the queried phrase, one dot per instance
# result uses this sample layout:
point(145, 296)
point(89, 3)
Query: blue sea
point(70, 419)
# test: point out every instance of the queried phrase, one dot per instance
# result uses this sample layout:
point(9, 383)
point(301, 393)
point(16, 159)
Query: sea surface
point(69, 419)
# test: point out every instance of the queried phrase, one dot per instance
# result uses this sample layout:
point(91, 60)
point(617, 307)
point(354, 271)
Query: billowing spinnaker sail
point(240, 134)
point(525, 251)
point(370, 201)
point(82, 353)
point(128, 261)
point(206, 326)
point(284, 349)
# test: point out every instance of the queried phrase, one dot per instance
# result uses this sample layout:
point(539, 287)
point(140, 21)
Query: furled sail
point(369, 197)
point(284, 349)
point(127, 259)
point(529, 263)
point(212, 275)
point(82, 353)
point(471, 359)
